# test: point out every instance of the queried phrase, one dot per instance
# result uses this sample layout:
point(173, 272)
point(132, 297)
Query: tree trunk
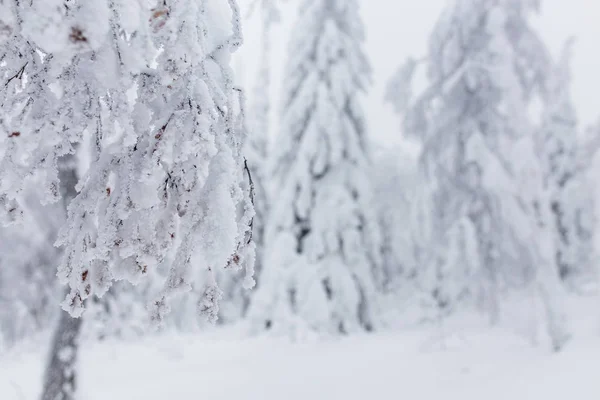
point(61, 372)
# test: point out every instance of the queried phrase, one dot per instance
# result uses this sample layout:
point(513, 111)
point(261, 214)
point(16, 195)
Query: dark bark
point(61, 372)
point(60, 378)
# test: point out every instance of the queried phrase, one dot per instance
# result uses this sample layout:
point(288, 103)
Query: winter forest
point(299, 199)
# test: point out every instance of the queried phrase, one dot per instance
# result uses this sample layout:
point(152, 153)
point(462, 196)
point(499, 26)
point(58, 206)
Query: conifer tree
point(321, 272)
point(489, 227)
point(564, 170)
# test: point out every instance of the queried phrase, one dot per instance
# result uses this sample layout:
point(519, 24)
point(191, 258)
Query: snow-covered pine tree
point(484, 63)
point(166, 171)
point(321, 269)
point(563, 169)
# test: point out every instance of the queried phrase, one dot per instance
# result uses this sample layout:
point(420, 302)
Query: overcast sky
point(397, 29)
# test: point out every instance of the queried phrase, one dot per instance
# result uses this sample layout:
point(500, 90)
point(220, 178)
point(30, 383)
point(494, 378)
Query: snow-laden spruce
point(565, 170)
point(151, 89)
point(489, 206)
point(321, 267)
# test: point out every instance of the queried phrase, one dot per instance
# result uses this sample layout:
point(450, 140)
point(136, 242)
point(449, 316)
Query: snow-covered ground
point(481, 364)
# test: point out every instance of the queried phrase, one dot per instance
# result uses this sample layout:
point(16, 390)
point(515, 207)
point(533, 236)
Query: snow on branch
point(151, 89)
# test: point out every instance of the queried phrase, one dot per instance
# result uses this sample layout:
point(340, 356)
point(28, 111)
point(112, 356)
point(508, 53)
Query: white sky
point(397, 29)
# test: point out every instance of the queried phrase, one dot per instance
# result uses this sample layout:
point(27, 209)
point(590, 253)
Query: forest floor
point(490, 365)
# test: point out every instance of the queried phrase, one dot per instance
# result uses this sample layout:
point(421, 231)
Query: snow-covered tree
point(171, 175)
point(321, 272)
point(563, 171)
point(485, 64)
point(150, 88)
